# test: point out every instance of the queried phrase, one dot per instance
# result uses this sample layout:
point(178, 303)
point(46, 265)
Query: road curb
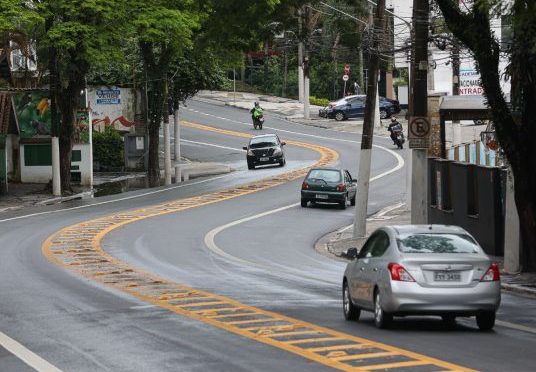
point(519, 289)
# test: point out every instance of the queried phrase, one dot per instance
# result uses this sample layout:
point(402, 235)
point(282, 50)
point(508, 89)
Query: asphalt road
point(262, 260)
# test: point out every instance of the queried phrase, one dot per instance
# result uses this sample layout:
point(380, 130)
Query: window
point(76, 156)
point(37, 155)
point(260, 142)
point(327, 175)
point(436, 243)
point(381, 244)
point(366, 250)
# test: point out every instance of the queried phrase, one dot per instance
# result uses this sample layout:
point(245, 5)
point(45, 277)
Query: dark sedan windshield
point(257, 143)
point(327, 175)
point(436, 243)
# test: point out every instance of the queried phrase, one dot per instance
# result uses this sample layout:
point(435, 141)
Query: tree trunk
point(156, 105)
point(516, 130)
point(68, 104)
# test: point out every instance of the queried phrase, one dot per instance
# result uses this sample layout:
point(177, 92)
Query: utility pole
point(419, 109)
point(371, 106)
point(306, 69)
point(300, 55)
point(177, 143)
point(456, 127)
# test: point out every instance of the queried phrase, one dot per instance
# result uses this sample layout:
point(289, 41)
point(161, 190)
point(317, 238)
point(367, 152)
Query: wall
point(469, 196)
point(43, 173)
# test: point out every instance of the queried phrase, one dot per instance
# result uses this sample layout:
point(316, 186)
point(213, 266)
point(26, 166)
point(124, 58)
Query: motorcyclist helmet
point(393, 119)
point(256, 104)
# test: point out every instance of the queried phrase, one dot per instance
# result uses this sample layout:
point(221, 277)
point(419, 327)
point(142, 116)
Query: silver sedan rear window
point(436, 243)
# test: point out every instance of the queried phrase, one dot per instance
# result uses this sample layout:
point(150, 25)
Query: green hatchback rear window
point(328, 175)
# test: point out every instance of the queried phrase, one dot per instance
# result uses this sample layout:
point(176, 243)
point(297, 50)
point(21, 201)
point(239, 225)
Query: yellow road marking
point(233, 315)
point(312, 340)
point(411, 363)
point(296, 333)
point(263, 320)
point(339, 347)
point(364, 356)
point(62, 248)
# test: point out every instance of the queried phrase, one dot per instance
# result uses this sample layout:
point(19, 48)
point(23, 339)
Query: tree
point(515, 124)
point(76, 34)
point(164, 30)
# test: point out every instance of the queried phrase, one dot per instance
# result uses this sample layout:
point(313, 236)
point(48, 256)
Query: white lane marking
point(515, 326)
point(213, 145)
point(118, 200)
point(26, 355)
point(381, 213)
point(213, 247)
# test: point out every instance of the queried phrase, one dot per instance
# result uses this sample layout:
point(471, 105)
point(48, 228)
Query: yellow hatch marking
point(363, 356)
point(64, 247)
point(411, 363)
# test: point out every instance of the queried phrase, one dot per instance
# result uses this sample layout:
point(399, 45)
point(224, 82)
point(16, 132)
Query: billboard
point(32, 112)
point(112, 106)
point(470, 84)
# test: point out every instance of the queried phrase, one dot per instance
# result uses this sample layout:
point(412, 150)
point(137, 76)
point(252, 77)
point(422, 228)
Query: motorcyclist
point(256, 111)
point(394, 126)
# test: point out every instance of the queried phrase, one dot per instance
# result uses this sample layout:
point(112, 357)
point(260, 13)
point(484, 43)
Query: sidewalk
point(336, 243)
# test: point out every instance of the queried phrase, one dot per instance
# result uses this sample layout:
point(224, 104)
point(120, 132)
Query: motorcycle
point(397, 134)
point(258, 122)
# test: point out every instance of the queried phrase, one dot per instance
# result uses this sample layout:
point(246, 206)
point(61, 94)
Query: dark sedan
point(354, 106)
point(265, 149)
point(328, 185)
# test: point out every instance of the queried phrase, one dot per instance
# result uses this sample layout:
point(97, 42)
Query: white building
point(440, 76)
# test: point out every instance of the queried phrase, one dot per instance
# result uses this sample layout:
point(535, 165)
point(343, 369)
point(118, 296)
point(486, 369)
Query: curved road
point(255, 249)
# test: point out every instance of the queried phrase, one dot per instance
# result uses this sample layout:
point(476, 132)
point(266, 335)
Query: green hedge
point(318, 101)
point(108, 149)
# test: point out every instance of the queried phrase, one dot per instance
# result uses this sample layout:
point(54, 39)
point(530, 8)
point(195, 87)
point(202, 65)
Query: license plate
point(447, 276)
point(264, 159)
point(320, 196)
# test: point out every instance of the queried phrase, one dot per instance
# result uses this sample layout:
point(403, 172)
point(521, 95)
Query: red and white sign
point(345, 77)
point(347, 69)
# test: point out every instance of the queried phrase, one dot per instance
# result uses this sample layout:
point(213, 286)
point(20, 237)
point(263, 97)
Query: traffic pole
point(419, 184)
point(363, 178)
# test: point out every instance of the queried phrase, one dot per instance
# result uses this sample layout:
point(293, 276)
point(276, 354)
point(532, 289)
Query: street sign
point(347, 69)
point(345, 77)
point(419, 132)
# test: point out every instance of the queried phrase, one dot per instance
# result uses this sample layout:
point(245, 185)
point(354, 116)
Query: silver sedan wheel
point(381, 318)
point(351, 311)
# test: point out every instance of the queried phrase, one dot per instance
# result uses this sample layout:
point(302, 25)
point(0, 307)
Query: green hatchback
point(328, 185)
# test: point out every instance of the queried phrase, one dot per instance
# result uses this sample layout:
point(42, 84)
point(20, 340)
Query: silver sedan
point(421, 270)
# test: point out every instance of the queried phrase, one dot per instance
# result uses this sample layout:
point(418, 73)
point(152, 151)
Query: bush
point(318, 101)
point(108, 149)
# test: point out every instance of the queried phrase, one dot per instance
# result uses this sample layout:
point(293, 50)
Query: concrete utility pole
point(419, 108)
point(167, 149)
point(306, 69)
point(177, 143)
point(456, 127)
point(300, 56)
point(371, 105)
point(56, 175)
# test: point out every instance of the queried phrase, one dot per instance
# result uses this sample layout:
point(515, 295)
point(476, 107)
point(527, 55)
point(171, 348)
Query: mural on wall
point(81, 129)
point(32, 112)
point(112, 106)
